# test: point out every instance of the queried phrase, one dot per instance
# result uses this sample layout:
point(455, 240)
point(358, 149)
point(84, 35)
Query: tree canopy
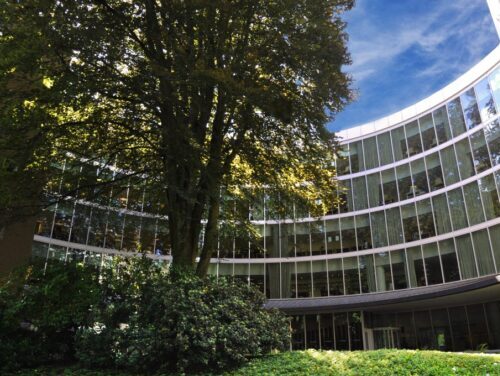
point(196, 97)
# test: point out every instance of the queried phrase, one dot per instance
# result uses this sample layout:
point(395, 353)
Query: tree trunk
point(211, 235)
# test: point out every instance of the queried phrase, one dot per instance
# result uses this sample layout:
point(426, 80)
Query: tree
point(196, 97)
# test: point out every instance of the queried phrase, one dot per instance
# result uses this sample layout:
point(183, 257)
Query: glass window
point(348, 234)
point(459, 328)
point(399, 270)
point(466, 258)
point(416, 266)
point(335, 277)
point(394, 229)
point(43, 225)
point(464, 158)
point(389, 186)
point(471, 112)
point(434, 171)
point(441, 325)
point(304, 279)
point(477, 325)
point(385, 148)
point(114, 231)
point(492, 133)
point(135, 195)
point(302, 240)
point(371, 153)
point(274, 280)
point(495, 86)
point(317, 238)
point(429, 138)
point(342, 161)
point(449, 165)
point(432, 264)
point(62, 221)
point(341, 331)
point(379, 231)
point(495, 239)
point(449, 260)
point(485, 100)
point(374, 190)
point(148, 233)
point(457, 209)
point(456, 117)
point(320, 279)
point(490, 197)
point(356, 155)
point(97, 229)
point(333, 236)
point(383, 271)
point(351, 275)
point(410, 223)
point(419, 185)
point(442, 125)
point(345, 196)
point(367, 273)
point(480, 152)
point(399, 143)
point(413, 138)
point(363, 232)
point(425, 219)
point(162, 241)
point(473, 204)
point(81, 223)
point(359, 193)
point(257, 276)
point(482, 249)
point(404, 182)
point(441, 214)
point(131, 233)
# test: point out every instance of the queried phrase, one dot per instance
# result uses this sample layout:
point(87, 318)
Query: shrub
point(149, 320)
point(41, 312)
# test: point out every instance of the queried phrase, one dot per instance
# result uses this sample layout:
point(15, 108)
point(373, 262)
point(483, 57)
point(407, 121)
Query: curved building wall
point(419, 207)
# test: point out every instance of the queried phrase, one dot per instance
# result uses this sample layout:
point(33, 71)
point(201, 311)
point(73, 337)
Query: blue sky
point(404, 50)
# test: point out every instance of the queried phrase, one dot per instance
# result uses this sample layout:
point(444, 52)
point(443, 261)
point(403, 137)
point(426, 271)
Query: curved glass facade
point(419, 207)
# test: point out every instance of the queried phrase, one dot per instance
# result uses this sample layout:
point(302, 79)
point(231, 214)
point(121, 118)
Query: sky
point(402, 51)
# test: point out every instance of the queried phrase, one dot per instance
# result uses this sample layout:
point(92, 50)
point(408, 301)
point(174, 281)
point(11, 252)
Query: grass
point(317, 363)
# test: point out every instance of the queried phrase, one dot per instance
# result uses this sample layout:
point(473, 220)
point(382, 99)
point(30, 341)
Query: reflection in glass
point(456, 117)
point(389, 186)
point(425, 219)
point(413, 138)
point(394, 226)
point(415, 267)
point(464, 158)
point(348, 234)
point(434, 171)
point(356, 156)
point(399, 270)
point(441, 214)
point(480, 152)
point(473, 203)
point(449, 165)
point(374, 190)
point(466, 258)
point(492, 134)
point(482, 249)
point(302, 240)
point(419, 178)
point(359, 193)
point(457, 209)
point(317, 238)
point(351, 275)
point(404, 182)
point(333, 236)
point(335, 277)
point(345, 196)
point(379, 231)
point(410, 223)
point(485, 100)
point(432, 264)
point(363, 232)
point(490, 197)
point(495, 86)
point(367, 274)
point(471, 111)
point(320, 279)
point(304, 279)
point(495, 240)
point(342, 161)
point(383, 271)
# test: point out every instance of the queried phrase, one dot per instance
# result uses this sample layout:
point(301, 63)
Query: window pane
point(495, 86)
point(464, 158)
point(333, 236)
point(383, 271)
point(399, 143)
point(435, 172)
point(399, 270)
point(480, 152)
point(356, 155)
point(320, 281)
point(449, 164)
point(419, 185)
point(425, 219)
point(348, 234)
point(363, 232)
point(351, 275)
point(410, 223)
point(415, 266)
point(345, 196)
point(359, 193)
point(457, 209)
point(442, 125)
point(389, 186)
point(317, 238)
point(385, 148)
point(449, 260)
point(473, 203)
point(404, 182)
point(490, 197)
point(483, 252)
point(367, 273)
point(413, 138)
point(471, 112)
point(456, 117)
point(485, 100)
point(304, 282)
point(432, 264)
point(466, 258)
point(395, 231)
point(492, 133)
point(429, 138)
point(495, 239)
point(441, 214)
point(374, 190)
point(378, 229)
point(302, 240)
point(335, 277)
point(343, 161)
point(371, 154)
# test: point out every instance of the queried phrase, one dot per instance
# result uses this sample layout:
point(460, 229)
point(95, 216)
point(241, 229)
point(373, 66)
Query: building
point(410, 259)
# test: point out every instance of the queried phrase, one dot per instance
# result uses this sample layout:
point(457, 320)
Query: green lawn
point(312, 362)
